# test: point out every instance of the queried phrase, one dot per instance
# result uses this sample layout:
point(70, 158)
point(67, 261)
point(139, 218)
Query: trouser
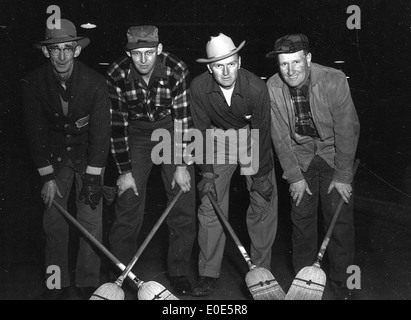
point(56, 228)
point(129, 208)
point(340, 249)
point(261, 220)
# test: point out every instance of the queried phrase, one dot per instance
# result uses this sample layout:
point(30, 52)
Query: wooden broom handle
point(96, 242)
point(333, 221)
point(148, 238)
point(230, 230)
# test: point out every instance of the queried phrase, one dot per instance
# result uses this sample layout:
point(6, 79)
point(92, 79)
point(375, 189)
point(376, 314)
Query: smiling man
point(67, 118)
point(315, 130)
point(227, 99)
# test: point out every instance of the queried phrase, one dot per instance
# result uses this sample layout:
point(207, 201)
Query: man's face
point(225, 72)
point(294, 67)
point(62, 56)
point(144, 59)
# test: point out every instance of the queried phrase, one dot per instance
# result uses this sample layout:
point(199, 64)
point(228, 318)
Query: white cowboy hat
point(219, 48)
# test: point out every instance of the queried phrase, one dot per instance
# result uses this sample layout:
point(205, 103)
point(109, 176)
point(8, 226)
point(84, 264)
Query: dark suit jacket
point(83, 135)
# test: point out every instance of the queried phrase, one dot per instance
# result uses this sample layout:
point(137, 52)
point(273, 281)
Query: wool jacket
point(82, 136)
point(335, 119)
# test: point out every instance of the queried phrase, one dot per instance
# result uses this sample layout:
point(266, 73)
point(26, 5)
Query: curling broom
point(147, 290)
point(260, 281)
point(109, 290)
point(309, 283)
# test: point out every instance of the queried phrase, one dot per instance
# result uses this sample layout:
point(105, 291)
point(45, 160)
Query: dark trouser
point(129, 209)
point(341, 248)
point(57, 233)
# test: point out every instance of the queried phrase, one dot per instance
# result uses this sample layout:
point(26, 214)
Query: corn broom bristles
point(262, 285)
point(108, 291)
point(308, 284)
point(152, 290)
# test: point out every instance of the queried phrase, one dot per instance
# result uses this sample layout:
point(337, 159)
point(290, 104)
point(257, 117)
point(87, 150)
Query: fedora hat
point(219, 48)
point(66, 33)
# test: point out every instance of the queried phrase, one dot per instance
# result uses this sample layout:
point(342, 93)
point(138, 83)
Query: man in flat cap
point(67, 119)
point(149, 92)
point(315, 130)
point(231, 102)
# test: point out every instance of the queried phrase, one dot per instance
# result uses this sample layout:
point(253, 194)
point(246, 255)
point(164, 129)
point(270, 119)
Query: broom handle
point(140, 250)
point(96, 242)
point(230, 229)
point(333, 221)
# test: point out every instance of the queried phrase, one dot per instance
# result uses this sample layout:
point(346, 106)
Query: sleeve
point(36, 130)
point(119, 127)
point(261, 121)
point(201, 122)
point(181, 113)
point(347, 130)
point(280, 134)
point(99, 133)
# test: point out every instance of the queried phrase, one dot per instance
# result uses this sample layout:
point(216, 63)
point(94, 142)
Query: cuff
point(46, 173)
point(93, 170)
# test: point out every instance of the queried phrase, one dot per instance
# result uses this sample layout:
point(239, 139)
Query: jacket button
point(66, 125)
point(58, 159)
point(56, 114)
point(68, 148)
point(68, 136)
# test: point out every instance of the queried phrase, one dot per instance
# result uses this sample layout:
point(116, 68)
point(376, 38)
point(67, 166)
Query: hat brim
point(81, 41)
point(271, 55)
point(132, 46)
point(214, 59)
point(274, 54)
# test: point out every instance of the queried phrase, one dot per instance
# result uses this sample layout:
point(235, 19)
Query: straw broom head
point(108, 291)
point(308, 284)
point(152, 290)
point(262, 285)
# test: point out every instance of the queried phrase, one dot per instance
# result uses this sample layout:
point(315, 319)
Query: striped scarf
point(304, 124)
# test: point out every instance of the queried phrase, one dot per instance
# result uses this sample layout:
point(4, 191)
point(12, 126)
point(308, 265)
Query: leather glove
point(263, 186)
point(92, 190)
point(207, 184)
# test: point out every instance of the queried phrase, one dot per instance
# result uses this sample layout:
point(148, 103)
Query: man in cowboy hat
point(67, 119)
point(315, 131)
point(228, 99)
point(149, 89)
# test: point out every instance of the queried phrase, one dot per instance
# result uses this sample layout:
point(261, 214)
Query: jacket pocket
point(82, 122)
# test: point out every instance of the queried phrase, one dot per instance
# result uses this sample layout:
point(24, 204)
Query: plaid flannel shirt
point(167, 94)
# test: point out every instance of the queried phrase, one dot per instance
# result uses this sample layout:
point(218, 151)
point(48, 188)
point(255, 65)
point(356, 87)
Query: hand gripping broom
point(260, 282)
point(113, 291)
point(309, 283)
point(148, 290)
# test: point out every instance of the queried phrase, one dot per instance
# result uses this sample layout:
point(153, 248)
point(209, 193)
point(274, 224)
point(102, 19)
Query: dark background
point(377, 55)
point(377, 61)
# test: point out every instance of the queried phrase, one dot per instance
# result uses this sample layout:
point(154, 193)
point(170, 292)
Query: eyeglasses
point(55, 51)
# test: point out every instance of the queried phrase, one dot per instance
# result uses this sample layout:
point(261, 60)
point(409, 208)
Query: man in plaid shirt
point(149, 90)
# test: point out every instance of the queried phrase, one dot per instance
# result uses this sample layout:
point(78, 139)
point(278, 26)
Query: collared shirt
point(132, 99)
point(250, 106)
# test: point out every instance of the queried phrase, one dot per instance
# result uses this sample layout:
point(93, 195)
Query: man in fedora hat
point(67, 119)
point(230, 100)
point(315, 132)
point(149, 89)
